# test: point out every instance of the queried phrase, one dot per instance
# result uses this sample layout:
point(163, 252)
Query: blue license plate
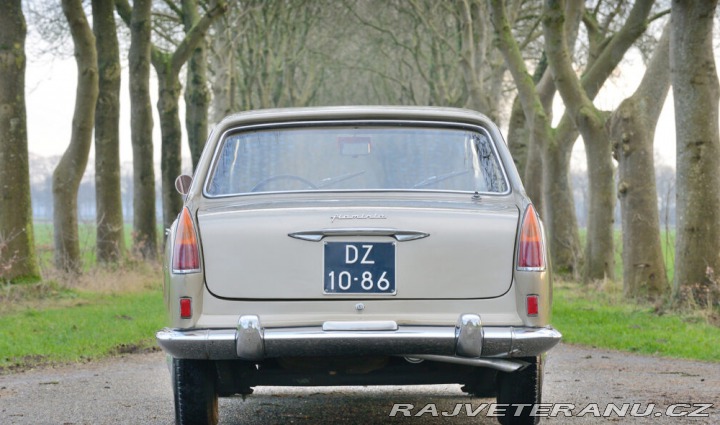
point(359, 268)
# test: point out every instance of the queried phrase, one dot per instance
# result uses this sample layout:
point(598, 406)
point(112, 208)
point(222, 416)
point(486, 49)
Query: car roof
point(422, 113)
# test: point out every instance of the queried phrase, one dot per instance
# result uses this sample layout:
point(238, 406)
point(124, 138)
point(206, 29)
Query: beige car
point(356, 246)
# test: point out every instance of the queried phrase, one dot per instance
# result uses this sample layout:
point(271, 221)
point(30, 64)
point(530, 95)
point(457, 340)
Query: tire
point(481, 383)
point(196, 399)
point(521, 387)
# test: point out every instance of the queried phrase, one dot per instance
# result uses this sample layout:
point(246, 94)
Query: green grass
point(587, 316)
point(91, 327)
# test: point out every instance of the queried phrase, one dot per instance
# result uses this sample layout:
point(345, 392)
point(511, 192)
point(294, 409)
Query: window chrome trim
point(344, 122)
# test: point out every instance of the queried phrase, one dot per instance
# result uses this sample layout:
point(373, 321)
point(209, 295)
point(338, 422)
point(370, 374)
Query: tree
point(197, 94)
point(435, 53)
point(68, 173)
point(17, 251)
point(109, 218)
point(138, 19)
point(695, 87)
point(632, 131)
point(275, 66)
point(590, 121)
point(606, 50)
point(558, 212)
point(223, 69)
point(167, 66)
point(223, 72)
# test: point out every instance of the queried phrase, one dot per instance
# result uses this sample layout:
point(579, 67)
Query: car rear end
point(341, 246)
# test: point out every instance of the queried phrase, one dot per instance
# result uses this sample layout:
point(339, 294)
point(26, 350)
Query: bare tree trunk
point(138, 19)
point(223, 66)
point(171, 130)
point(559, 212)
point(528, 156)
point(695, 87)
point(632, 131)
point(17, 249)
point(67, 175)
point(519, 139)
point(197, 95)
point(110, 236)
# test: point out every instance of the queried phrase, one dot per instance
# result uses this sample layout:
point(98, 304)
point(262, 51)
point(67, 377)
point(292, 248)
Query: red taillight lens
point(530, 254)
point(185, 249)
point(185, 308)
point(532, 305)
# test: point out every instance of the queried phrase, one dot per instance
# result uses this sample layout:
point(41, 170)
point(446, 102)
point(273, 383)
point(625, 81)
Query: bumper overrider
point(468, 342)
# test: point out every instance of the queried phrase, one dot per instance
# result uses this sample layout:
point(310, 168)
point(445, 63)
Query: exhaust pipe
point(503, 365)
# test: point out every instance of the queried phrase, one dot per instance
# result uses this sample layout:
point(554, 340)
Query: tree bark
point(695, 87)
point(170, 160)
point(632, 131)
point(17, 249)
point(559, 209)
point(224, 70)
point(197, 94)
point(519, 139)
point(68, 173)
point(138, 19)
point(110, 242)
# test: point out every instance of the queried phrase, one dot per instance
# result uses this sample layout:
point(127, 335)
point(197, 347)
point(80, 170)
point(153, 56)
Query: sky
point(50, 96)
point(50, 99)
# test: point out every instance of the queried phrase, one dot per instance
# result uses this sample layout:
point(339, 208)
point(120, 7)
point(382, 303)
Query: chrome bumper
point(250, 341)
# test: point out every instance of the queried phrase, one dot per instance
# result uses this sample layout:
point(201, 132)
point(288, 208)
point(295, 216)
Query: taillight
point(531, 254)
point(186, 258)
point(185, 308)
point(533, 305)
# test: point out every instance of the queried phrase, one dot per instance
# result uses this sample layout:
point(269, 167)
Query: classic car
point(356, 246)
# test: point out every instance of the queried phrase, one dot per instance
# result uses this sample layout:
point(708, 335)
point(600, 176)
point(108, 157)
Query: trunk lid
point(426, 251)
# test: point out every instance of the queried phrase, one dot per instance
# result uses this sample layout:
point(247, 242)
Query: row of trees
point(508, 59)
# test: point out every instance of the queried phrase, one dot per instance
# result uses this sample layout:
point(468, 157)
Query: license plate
point(359, 268)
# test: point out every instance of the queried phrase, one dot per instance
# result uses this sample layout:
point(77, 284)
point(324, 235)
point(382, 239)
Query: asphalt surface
point(135, 389)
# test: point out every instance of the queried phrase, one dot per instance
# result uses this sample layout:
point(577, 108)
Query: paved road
point(135, 389)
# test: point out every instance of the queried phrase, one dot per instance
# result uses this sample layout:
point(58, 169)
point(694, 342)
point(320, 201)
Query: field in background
point(87, 235)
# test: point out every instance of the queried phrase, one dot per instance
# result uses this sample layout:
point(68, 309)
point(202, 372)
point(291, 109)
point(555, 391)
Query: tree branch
point(124, 10)
point(532, 107)
point(656, 81)
point(615, 49)
point(193, 37)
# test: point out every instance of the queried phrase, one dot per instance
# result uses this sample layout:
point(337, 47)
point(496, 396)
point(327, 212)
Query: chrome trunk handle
point(399, 235)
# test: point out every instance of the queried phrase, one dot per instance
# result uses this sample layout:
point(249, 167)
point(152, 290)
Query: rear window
point(360, 158)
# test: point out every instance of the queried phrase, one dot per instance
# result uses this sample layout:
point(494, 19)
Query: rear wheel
point(481, 383)
point(521, 387)
point(196, 399)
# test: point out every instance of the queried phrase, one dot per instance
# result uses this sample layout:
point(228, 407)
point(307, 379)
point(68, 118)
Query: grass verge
point(88, 326)
point(600, 317)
